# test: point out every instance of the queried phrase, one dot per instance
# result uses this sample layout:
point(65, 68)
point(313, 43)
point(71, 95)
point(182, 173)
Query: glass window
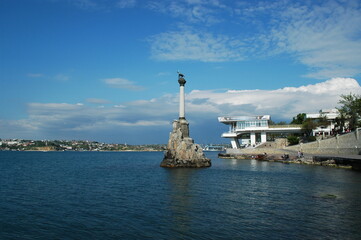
point(240, 125)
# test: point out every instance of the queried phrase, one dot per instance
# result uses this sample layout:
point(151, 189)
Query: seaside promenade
point(339, 151)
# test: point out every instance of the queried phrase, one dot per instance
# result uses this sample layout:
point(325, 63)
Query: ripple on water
point(128, 196)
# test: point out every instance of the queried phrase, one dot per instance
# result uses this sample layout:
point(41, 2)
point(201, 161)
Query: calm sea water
point(126, 195)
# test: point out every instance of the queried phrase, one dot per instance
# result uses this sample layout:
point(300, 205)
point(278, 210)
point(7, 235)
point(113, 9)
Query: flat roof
point(244, 118)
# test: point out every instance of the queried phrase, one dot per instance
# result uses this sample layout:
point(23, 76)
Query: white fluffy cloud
point(122, 83)
point(97, 101)
point(198, 46)
point(324, 36)
point(194, 11)
point(280, 103)
point(149, 120)
point(126, 3)
point(85, 4)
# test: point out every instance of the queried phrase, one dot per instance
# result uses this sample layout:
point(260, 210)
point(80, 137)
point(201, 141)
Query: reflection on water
point(128, 196)
point(180, 198)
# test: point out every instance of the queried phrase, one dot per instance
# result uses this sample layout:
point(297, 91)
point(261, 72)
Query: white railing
point(286, 126)
point(243, 118)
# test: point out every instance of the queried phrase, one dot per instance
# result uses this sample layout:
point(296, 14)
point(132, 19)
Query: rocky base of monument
point(182, 152)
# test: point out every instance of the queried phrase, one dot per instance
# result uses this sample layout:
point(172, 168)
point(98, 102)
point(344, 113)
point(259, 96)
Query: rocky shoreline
point(287, 159)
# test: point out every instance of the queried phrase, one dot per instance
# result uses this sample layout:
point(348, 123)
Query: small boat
point(261, 156)
point(212, 148)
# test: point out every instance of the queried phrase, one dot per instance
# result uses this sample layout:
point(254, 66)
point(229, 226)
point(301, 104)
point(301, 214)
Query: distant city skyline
point(107, 70)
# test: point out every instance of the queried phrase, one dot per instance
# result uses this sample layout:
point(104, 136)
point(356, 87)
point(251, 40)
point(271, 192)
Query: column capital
point(181, 79)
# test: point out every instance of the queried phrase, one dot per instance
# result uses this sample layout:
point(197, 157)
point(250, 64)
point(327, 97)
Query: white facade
point(256, 127)
point(330, 115)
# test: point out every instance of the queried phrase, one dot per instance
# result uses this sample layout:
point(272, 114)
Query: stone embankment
point(342, 151)
point(310, 160)
point(350, 162)
point(345, 144)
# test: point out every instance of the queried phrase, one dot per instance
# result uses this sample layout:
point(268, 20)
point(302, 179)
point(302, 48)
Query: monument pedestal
point(182, 152)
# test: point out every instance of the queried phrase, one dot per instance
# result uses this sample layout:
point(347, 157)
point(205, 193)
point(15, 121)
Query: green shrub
point(293, 140)
point(311, 138)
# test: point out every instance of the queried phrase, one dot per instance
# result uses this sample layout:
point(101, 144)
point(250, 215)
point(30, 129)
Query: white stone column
point(253, 138)
point(263, 137)
point(181, 82)
point(181, 102)
point(235, 143)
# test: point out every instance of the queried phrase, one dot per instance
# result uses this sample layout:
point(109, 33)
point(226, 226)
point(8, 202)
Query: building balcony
point(243, 118)
point(286, 126)
point(229, 134)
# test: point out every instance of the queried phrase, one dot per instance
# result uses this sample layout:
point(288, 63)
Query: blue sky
point(106, 70)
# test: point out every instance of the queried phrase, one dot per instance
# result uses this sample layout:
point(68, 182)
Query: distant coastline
point(74, 145)
point(40, 150)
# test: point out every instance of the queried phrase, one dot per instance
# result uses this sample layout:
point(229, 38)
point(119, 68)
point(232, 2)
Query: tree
point(308, 125)
point(322, 121)
point(270, 122)
point(350, 110)
point(293, 140)
point(299, 119)
point(340, 123)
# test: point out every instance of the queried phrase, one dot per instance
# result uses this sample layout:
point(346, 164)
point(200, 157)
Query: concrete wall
point(255, 151)
point(346, 144)
point(278, 143)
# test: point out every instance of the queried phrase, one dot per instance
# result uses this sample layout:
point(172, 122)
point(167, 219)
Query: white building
point(257, 127)
point(253, 130)
point(330, 115)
